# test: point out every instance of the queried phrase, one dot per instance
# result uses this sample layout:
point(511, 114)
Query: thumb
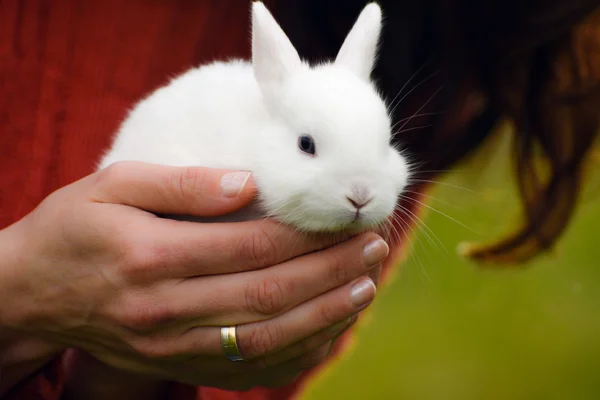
point(194, 191)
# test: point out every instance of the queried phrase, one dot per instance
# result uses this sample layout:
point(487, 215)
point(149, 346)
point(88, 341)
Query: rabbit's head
point(325, 160)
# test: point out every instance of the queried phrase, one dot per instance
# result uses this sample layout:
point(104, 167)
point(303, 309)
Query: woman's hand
point(93, 268)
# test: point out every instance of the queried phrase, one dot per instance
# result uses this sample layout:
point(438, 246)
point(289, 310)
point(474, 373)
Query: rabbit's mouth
point(358, 217)
point(359, 222)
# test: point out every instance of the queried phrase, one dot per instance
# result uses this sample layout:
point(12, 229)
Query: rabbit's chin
point(336, 225)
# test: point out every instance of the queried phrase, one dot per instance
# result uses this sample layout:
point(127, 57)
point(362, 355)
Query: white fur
point(249, 116)
point(359, 50)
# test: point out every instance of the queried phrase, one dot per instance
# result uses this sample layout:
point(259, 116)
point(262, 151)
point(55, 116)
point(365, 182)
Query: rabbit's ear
point(274, 57)
point(359, 51)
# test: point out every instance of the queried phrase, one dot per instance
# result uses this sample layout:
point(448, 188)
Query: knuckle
point(136, 265)
point(113, 173)
point(259, 249)
point(151, 349)
point(265, 297)
point(326, 316)
point(262, 341)
point(143, 316)
point(261, 364)
point(140, 258)
point(307, 345)
point(189, 182)
point(316, 357)
point(338, 272)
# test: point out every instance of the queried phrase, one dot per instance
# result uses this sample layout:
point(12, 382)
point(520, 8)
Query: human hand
point(97, 270)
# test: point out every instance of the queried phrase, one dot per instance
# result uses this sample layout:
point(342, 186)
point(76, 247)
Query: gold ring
point(229, 344)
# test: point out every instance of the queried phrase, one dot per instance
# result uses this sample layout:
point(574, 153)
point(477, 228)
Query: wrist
point(21, 353)
point(14, 304)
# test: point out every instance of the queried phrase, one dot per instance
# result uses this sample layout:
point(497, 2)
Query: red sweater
point(69, 70)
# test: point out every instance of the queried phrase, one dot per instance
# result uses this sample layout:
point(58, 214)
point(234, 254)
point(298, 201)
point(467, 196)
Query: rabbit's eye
point(306, 144)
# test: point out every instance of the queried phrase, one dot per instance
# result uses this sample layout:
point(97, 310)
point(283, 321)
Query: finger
point(307, 346)
point(375, 274)
point(260, 295)
point(258, 340)
point(193, 249)
point(297, 357)
point(282, 374)
point(221, 365)
point(157, 349)
point(194, 191)
point(310, 360)
point(349, 326)
point(286, 373)
point(262, 338)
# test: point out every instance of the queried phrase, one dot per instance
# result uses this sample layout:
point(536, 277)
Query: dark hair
point(535, 63)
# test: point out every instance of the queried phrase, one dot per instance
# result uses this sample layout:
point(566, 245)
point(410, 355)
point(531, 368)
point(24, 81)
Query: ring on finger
point(229, 344)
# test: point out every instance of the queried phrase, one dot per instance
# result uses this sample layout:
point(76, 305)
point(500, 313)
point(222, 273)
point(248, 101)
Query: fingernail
point(375, 252)
point(233, 183)
point(363, 293)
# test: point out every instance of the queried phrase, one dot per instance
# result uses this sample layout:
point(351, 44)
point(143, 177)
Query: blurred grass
point(444, 329)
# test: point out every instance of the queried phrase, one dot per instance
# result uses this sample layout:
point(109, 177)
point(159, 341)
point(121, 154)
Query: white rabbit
point(316, 138)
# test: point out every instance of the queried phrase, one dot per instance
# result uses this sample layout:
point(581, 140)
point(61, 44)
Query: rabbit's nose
point(359, 196)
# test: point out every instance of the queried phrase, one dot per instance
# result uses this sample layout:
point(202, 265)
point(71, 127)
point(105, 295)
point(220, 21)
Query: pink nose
point(359, 196)
point(356, 204)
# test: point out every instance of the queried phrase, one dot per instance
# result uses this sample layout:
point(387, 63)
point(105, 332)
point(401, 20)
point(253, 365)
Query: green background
point(444, 329)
